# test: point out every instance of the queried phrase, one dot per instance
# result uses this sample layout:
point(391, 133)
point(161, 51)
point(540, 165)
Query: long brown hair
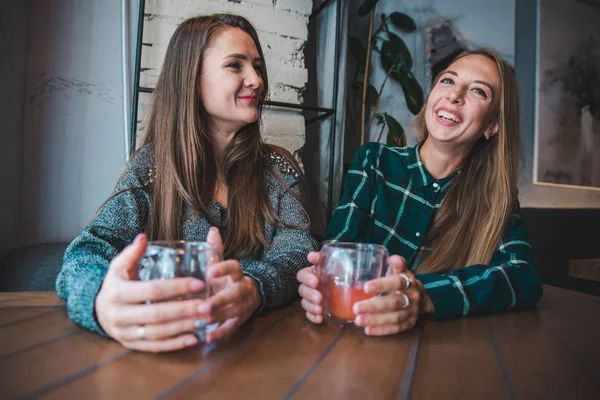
point(474, 213)
point(186, 170)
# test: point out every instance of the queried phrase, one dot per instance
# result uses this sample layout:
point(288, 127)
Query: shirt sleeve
point(352, 219)
point(276, 270)
point(510, 281)
point(87, 258)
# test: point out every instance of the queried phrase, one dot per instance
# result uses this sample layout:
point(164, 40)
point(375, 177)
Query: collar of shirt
point(419, 175)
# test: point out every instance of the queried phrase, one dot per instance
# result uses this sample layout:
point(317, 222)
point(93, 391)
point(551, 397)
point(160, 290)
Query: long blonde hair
point(474, 213)
point(186, 170)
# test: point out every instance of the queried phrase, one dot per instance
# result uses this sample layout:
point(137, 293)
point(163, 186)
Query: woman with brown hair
point(203, 163)
point(447, 208)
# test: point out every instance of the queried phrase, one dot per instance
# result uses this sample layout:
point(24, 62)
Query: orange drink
point(343, 269)
point(342, 299)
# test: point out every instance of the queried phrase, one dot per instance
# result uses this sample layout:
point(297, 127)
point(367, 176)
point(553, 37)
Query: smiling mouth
point(248, 99)
point(448, 116)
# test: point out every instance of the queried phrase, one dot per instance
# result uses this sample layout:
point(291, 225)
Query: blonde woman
point(447, 208)
point(203, 163)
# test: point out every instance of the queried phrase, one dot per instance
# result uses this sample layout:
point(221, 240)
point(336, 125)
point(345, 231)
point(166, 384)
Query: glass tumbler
point(343, 269)
point(181, 259)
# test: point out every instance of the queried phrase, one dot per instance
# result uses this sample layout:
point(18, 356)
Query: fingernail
point(191, 341)
point(215, 229)
point(358, 320)
point(137, 238)
point(201, 323)
point(213, 306)
point(203, 308)
point(196, 285)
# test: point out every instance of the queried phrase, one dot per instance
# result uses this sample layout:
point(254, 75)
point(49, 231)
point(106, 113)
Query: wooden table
point(551, 352)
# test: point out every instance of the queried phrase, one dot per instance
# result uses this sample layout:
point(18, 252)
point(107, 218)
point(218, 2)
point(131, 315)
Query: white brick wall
point(282, 30)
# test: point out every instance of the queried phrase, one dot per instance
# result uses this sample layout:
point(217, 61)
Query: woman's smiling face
point(231, 82)
point(461, 105)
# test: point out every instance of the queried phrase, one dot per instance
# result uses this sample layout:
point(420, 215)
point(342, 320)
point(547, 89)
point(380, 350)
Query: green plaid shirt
point(390, 199)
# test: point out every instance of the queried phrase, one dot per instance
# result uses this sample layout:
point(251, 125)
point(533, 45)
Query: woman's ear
point(491, 131)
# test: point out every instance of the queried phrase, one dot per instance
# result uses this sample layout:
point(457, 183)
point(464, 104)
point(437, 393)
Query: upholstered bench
point(31, 268)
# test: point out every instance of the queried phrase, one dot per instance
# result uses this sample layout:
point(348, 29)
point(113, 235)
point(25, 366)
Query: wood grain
point(539, 366)
point(360, 367)
point(29, 299)
point(550, 352)
point(144, 375)
point(267, 368)
point(20, 314)
point(45, 366)
point(576, 326)
point(35, 331)
point(457, 361)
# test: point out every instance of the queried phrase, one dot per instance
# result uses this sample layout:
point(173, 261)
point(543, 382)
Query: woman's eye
point(480, 92)
point(258, 69)
point(446, 80)
point(234, 65)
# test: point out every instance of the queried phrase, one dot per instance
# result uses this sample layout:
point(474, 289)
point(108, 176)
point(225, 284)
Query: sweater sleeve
point(114, 227)
point(510, 281)
point(276, 270)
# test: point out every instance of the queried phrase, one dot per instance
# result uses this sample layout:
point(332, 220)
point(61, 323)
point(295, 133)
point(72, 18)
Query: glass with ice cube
point(343, 269)
point(180, 259)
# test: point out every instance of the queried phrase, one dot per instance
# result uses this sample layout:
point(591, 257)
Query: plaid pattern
point(389, 198)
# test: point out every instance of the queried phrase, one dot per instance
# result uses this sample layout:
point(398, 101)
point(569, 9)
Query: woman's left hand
point(391, 313)
point(238, 298)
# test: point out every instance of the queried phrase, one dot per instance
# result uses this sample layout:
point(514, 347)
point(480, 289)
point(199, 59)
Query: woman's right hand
point(312, 299)
point(122, 312)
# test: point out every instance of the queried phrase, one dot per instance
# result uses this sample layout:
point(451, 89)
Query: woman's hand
point(312, 299)
point(397, 310)
point(237, 299)
point(122, 312)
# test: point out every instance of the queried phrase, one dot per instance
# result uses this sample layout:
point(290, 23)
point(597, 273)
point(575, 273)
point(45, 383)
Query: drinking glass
point(180, 259)
point(343, 269)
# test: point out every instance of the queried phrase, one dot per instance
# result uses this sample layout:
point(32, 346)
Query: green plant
point(396, 60)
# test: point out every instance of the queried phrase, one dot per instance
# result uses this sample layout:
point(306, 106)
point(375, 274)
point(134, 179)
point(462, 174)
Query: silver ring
point(141, 332)
point(408, 280)
point(406, 301)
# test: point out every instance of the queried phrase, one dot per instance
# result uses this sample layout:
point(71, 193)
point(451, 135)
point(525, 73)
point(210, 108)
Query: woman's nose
point(253, 79)
point(455, 95)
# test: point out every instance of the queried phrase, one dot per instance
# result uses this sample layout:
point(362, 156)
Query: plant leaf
point(372, 93)
point(412, 92)
point(386, 61)
point(366, 7)
point(395, 136)
point(358, 50)
point(399, 47)
point(403, 22)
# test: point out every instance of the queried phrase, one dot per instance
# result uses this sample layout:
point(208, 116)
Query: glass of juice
point(343, 269)
point(180, 259)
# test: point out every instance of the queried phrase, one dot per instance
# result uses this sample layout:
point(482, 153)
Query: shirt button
point(435, 185)
point(417, 234)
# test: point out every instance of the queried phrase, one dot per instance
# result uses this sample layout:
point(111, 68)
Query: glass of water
point(181, 259)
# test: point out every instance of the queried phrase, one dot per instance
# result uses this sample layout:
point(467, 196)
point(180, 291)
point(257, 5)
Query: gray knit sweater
point(115, 226)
